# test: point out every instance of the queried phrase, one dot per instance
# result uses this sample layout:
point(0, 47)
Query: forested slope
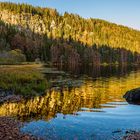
point(44, 33)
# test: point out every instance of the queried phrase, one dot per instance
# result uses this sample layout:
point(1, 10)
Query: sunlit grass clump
point(22, 80)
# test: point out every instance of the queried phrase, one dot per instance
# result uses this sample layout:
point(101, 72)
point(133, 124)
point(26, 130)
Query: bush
point(12, 57)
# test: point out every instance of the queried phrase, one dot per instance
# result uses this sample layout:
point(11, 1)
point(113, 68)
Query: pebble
point(10, 130)
point(135, 136)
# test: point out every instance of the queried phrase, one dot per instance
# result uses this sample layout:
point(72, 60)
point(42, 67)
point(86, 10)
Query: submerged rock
point(133, 96)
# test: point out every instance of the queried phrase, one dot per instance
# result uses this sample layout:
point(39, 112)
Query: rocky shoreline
point(9, 96)
point(9, 127)
point(10, 130)
point(135, 136)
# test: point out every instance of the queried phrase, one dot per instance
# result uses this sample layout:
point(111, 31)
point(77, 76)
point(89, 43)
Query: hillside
point(44, 33)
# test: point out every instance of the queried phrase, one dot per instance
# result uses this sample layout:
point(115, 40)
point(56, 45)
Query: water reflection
point(91, 96)
point(99, 71)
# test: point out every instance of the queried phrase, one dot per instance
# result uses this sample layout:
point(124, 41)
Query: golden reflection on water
point(91, 94)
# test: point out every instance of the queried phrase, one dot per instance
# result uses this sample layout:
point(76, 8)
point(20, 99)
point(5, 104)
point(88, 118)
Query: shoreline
point(134, 136)
point(10, 130)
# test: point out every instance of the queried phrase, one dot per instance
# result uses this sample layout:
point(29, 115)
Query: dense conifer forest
point(28, 33)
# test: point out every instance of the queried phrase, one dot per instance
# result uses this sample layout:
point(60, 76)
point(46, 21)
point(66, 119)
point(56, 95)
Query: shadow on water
point(86, 104)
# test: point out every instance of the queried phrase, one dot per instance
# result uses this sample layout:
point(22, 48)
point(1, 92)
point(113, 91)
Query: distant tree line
point(69, 39)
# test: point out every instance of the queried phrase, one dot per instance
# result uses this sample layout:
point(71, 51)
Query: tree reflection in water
point(90, 96)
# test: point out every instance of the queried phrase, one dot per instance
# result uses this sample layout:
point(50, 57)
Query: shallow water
point(106, 125)
point(91, 107)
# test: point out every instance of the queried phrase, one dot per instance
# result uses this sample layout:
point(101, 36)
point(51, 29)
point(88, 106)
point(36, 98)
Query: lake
point(83, 104)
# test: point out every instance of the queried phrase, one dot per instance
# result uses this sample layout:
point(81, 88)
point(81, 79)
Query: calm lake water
point(85, 104)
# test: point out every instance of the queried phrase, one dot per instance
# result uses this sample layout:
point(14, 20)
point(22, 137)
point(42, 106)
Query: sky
point(124, 12)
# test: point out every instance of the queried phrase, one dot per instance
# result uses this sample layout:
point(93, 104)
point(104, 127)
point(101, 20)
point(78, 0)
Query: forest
point(28, 33)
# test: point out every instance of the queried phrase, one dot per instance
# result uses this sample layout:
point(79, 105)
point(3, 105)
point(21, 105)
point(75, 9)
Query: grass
point(24, 80)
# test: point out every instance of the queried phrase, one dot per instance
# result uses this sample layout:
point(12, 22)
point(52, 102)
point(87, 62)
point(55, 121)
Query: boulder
point(133, 96)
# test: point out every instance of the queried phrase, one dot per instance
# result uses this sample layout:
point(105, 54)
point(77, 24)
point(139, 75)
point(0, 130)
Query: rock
point(133, 96)
point(9, 96)
point(135, 136)
point(10, 130)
